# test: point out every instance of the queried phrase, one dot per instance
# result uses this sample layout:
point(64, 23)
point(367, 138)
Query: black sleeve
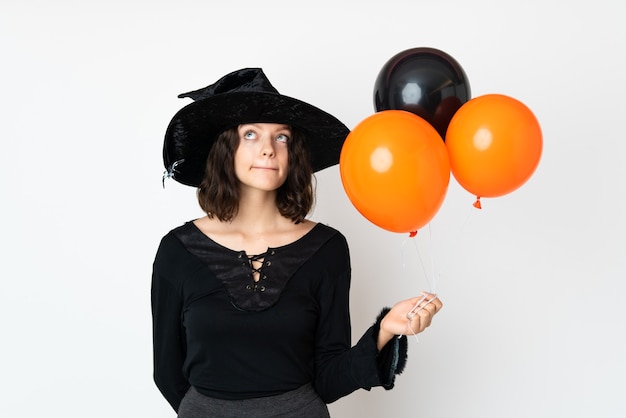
point(168, 334)
point(340, 368)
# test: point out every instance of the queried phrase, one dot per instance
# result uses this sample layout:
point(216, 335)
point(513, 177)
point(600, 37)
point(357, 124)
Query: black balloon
point(425, 81)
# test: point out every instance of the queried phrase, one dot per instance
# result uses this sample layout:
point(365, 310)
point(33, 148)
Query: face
point(262, 158)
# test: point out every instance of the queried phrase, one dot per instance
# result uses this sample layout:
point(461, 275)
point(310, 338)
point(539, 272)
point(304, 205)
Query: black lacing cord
point(259, 258)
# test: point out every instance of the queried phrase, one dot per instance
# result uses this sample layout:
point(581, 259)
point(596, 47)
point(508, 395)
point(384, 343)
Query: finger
point(419, 301)
point(415, 324)
point(416, 305)
point(430, 309)
point(434, 300)
point(429, 304)
point(428, 300)
point(438, 305)
point(425, 318)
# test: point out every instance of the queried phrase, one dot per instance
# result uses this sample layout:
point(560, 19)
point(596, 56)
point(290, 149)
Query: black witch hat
point(243, 96)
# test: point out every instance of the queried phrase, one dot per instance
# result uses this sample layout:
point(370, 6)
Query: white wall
point(533, 284)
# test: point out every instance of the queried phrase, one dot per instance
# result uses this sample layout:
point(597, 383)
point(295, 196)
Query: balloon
point(494, 143)
point(395, 170)
point(424, 81)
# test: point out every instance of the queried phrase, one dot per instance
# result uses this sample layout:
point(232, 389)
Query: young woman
point(250, 303)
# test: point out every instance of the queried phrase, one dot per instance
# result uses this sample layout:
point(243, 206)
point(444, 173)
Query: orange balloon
point(395, 170)
point(494, 143)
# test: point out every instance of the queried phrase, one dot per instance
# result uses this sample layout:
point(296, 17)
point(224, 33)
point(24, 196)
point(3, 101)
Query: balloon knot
point(477, 204)
point(412, 234)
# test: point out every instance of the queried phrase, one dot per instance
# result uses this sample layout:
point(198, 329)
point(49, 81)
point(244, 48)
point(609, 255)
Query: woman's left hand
point(410, 316)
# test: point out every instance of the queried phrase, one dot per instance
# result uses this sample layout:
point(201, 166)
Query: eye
point(249, 135)
point(282, 138)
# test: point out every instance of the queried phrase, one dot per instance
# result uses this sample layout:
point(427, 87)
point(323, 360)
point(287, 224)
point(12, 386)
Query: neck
point(258, 212)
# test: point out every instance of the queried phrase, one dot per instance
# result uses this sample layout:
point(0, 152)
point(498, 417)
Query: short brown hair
point(218, 194)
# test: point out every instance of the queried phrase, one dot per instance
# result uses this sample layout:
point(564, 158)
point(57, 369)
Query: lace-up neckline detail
point(256, 265)
point(254, 283)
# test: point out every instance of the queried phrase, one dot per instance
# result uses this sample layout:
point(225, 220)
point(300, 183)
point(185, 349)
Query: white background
point(533, 284)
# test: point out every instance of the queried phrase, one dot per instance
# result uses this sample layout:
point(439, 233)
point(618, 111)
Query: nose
point(267, 147)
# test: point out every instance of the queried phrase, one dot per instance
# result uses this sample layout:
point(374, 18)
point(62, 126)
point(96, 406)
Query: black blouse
point(230, 337)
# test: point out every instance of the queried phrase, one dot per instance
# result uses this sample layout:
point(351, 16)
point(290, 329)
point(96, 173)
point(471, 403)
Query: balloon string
point(432, 260)
point(422, 265)
point(468, 219)
point(430, 279)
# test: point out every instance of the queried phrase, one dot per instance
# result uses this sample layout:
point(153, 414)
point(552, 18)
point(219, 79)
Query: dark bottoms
point(303, 402)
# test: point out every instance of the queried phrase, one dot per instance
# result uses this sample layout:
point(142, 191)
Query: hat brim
point(193, 130)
